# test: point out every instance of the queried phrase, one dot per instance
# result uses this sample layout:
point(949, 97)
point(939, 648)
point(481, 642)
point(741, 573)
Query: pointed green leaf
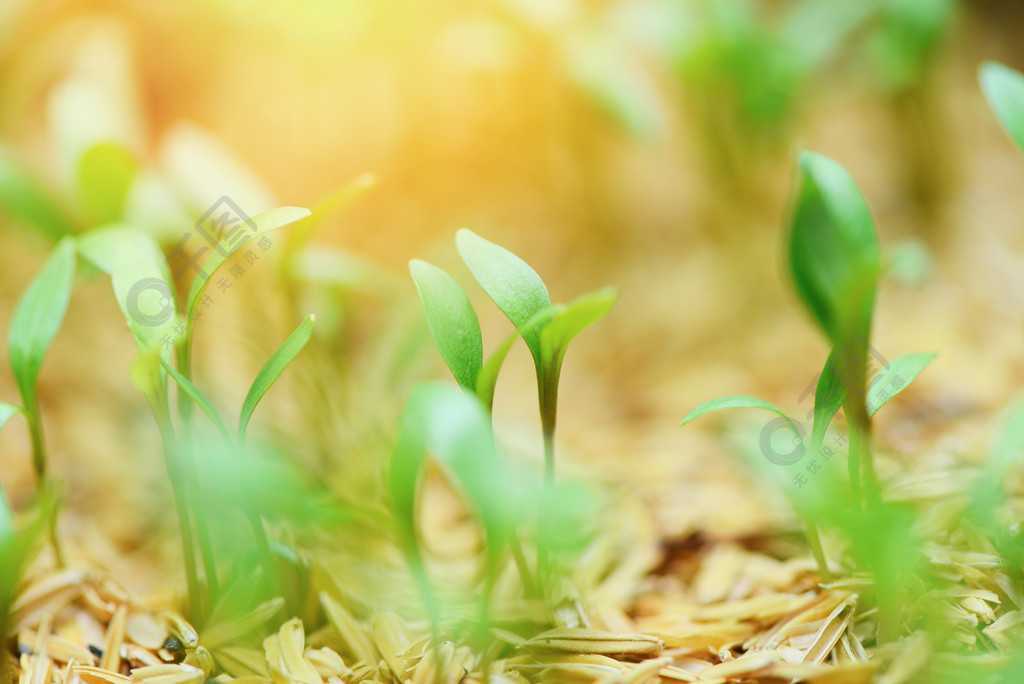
point(897, 377)
point(105, 174)
point(142, 283)
point(201, 401)
point(510, 283)
point(261, 225)
point(487, 380)
point(273, 368)
point(1004, 90)
point(574, 319)
point(833, 250)
point(737, 401)
point(339, 199)
point(829, 395)
point(25, 200)
point(38, 317)
point(452, 321)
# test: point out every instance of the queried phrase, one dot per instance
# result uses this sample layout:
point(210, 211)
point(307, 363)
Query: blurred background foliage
point(648, 144)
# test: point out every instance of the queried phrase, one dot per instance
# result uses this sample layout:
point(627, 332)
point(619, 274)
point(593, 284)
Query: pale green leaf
point(452, 321)
point(273, 368)
point(25, 200)
point(510, 283)
point(338, 200)
point(833, 251)
point(142, 283)
point(38, 317)
point(260, 225)
point(829, 395)
point(1004, 90)
point(105, 174)
point(895, 378)
point(7, 411)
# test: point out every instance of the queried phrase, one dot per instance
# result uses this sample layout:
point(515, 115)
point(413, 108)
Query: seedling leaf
point(273, 368)
point(510, 283)
point(264, 223)
point(338, 199)
point(829, 395)
point(38, 317)
point(193, 392)
point(737, 401)
point(452, 321)
point(897, 377)
point(28, 202)
point(833, 250)
point(142, 283)
point(577, 316)
point(1004, 90)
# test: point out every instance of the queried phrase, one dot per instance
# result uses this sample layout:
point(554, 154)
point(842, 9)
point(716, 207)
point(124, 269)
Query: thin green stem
point(194, 492)
point(516, 547)
point(175, 473)
point(39, 463)
point(548, 399)
point(260, 533)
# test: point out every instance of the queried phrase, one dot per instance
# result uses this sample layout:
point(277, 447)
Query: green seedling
point(145, 293)
point(35, 323)
point(1004, 90)
point(834, 262)
point(547, 330)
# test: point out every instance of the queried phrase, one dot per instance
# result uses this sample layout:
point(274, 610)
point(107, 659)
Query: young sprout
point(35, 323)
point(27, 201)
point(834, 262)
point(1004, 90)
point(522, 296)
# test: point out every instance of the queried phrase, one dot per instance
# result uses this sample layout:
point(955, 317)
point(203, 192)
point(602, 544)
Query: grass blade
point(28, 202)
point(897, 377)
point(38, 317)
point(510, 283)
point(833, 251)
point(1004, 90)
point(263, 224)
point(452, 321)
point(829, 395)
point(487, 380)
point(273, 368)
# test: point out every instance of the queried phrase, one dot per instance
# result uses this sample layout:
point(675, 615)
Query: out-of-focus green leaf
point(574, 319)
point(452, 321)
point(25, 200)
point(1004, 90)
point(897, 377)
point(833, 250)
point(339, 199)
point(273, 368)
point(569, 510)
point(142, 283)
point(105, 174)
point(7, 411)
point(456, 429)
point(906, 35)
point(510, 282)
point(261, 225)
point(38, 317)
point(333, 267)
